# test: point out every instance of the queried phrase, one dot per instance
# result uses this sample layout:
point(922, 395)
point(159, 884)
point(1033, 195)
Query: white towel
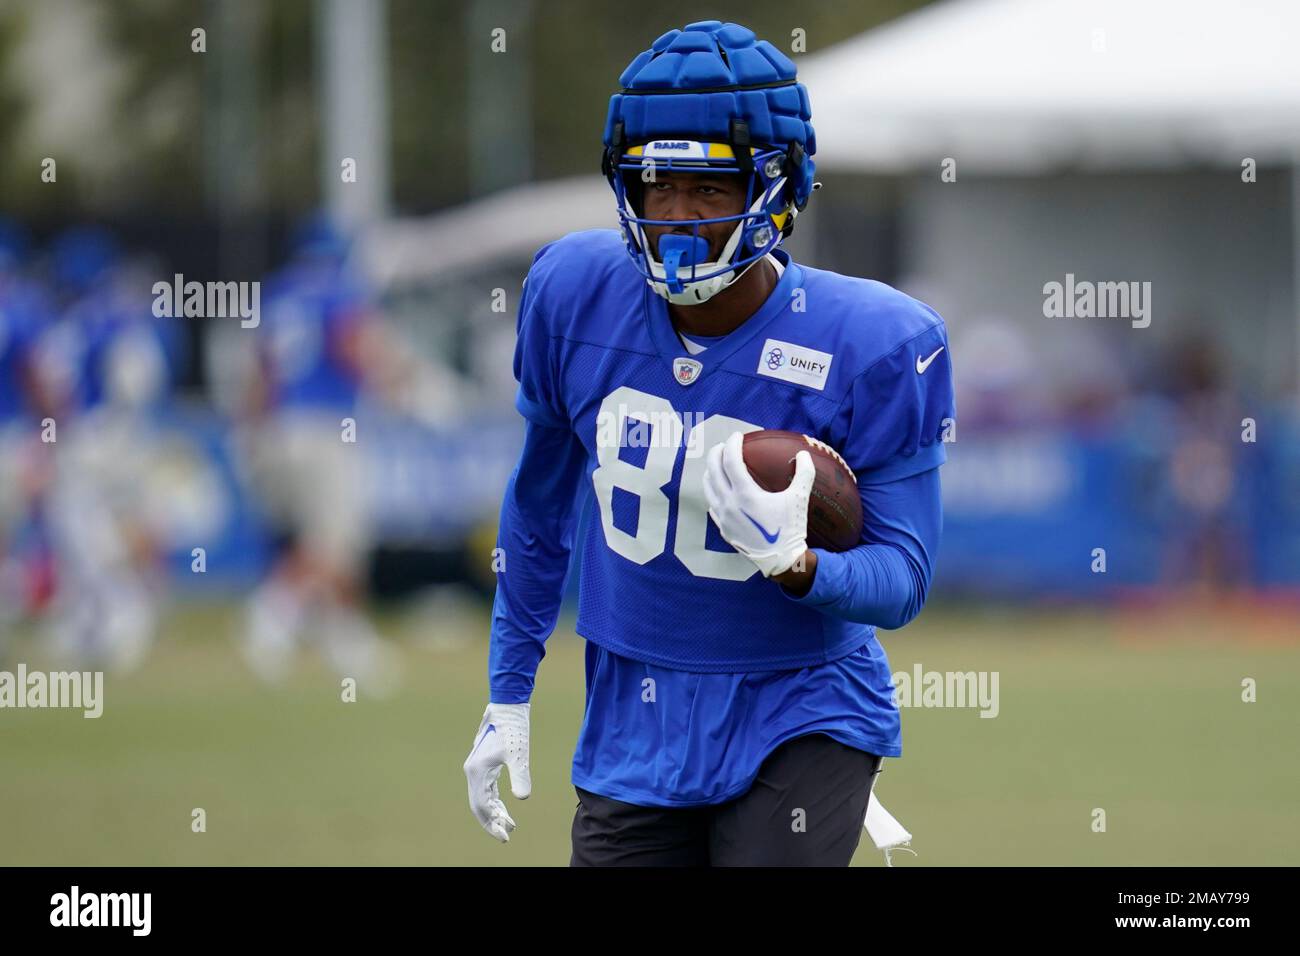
point(885, 832)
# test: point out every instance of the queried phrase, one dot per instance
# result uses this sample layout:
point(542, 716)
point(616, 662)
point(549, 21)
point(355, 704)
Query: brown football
point(834, 508)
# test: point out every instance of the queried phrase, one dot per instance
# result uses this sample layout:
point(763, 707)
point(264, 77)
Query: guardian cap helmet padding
point(709, 97)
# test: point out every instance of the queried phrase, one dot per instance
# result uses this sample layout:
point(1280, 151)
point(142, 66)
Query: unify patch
point(794, 363)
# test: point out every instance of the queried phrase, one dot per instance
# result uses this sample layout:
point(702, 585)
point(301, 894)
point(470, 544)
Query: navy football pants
point(805, 808)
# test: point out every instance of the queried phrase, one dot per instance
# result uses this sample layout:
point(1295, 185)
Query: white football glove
point(768, 527)
point(501, 741)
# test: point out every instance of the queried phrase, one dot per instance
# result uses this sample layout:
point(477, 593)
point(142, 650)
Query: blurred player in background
point(1204, 554)
point(319, 348)
point(107, 368)
point(25, 568)
point(738, 701)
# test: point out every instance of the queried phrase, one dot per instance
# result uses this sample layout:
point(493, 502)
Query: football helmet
point(709, 97)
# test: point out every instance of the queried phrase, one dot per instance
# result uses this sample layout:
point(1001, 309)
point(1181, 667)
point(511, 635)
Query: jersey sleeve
point(535, 537)
point(891, 422)
point(538, 398)
point(885, 579)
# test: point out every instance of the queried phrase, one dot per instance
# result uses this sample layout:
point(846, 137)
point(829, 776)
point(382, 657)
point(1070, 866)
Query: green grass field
point(1132, 716)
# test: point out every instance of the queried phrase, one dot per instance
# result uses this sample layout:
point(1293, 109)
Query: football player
point(23, 307)
point(105, 369)
point(313, 374)
point(739, 703)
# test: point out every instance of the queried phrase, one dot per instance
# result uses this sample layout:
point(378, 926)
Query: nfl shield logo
point(686, 370)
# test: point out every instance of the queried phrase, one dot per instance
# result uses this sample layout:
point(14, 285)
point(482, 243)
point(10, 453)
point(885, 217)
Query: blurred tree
point(427, 87)
point(13, 116)
point(155, 121)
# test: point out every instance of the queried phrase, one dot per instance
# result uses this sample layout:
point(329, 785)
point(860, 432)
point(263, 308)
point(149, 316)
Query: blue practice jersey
point(21, 312)
point(311, 309)
point(833, 357)
point(110, 349)
point(130, 356)
point(698, 666)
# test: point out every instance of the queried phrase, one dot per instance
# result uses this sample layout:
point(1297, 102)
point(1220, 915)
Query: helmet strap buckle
point(740, 144)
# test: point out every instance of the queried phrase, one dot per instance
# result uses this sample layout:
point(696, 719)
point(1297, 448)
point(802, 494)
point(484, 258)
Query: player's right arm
point(535, 541)
point(539, 510)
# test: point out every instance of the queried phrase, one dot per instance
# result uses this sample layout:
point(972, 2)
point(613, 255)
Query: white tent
point(513, 223)
point(1028, 93)
point(1029, 85)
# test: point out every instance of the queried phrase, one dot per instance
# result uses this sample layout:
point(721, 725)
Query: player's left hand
point(768, 527)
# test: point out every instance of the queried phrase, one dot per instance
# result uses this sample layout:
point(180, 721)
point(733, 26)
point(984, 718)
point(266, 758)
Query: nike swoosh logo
point(923, 364)
point(491, 728)
point(771, 538)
